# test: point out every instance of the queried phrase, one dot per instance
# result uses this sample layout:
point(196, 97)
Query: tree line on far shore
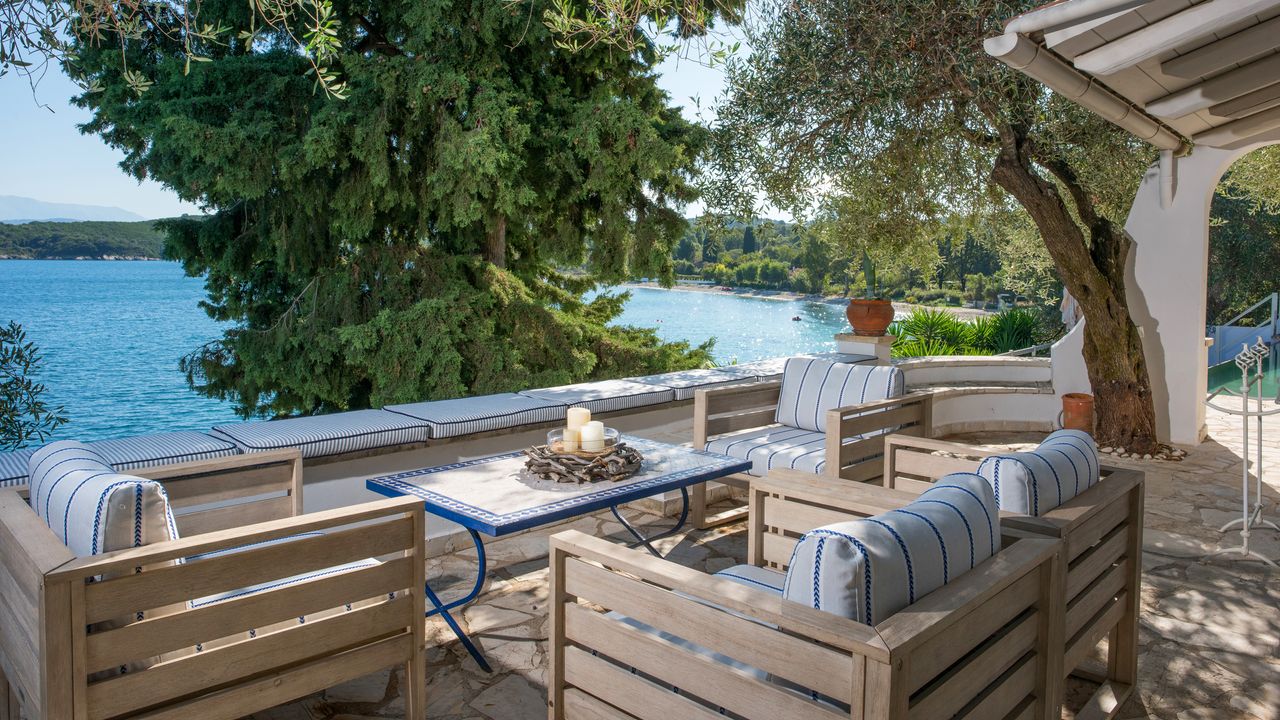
point(88, 239)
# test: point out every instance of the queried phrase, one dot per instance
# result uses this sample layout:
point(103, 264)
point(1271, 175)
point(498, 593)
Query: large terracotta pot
point(869, 317)
point(1077, 412)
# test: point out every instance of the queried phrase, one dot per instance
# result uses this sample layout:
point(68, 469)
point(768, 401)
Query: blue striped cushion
point(320, 435)
point(812, 386)
point(685, 383)
point(464, 416)
point(605, 395)
point(13, 467)
point(871, 568)
point(1035, 482)
point(777, 447)
point(92, 508)
point(128, 453)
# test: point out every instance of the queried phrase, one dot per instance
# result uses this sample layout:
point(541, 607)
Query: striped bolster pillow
point(1035, 482)
point(871, 568)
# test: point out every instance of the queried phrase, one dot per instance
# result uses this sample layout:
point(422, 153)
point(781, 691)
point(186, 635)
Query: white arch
point(1167, 287)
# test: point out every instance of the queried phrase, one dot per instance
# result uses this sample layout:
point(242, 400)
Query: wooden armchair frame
point(49, 653)
point(981, 647)
point(718, 411)
point(1102, 531)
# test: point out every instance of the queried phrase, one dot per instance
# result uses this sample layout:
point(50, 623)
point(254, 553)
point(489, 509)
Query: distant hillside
point(65, 240)
point(14, 209)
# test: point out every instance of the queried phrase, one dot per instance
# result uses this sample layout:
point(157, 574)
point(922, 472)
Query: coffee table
point(495, 496)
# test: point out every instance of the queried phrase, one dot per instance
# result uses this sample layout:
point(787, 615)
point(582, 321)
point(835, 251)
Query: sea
point(112, 333)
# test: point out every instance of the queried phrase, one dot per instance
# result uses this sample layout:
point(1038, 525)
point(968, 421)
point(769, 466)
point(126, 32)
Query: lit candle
point(569, 441)
point(592, 436)
point(578, 417)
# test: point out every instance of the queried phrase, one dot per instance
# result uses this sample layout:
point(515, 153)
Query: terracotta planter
point(1077, 412)
point(869, 317)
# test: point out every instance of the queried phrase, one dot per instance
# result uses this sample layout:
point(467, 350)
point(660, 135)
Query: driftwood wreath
point(617, 463)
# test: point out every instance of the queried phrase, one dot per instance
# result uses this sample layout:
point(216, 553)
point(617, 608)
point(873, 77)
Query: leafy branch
point(24, 416)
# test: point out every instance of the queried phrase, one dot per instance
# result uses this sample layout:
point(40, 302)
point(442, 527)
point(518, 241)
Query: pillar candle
point(577, 417)
point(592, 436)
point(569, 441)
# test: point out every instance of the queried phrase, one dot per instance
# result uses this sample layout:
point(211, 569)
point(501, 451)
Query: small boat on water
point(795, 319)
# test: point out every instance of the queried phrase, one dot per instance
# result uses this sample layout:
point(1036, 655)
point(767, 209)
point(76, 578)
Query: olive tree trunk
point(495, 250)
point(1093, 270)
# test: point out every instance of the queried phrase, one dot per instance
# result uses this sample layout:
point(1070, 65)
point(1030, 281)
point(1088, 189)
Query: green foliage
point(1244, 255)
point(404, 244)
point(24, 416)
point(925, 332)
point(1256, 177)
point(89, 239)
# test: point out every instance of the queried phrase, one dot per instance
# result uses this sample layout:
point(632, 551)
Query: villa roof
point(1171, 72)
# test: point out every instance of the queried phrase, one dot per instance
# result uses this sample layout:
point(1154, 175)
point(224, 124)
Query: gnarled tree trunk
point(1093, 270)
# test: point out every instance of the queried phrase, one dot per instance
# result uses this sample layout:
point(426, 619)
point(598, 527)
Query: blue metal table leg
point(647, 541)
point(442, 609)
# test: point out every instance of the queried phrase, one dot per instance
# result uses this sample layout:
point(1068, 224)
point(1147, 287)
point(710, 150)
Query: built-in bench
point(131, 453)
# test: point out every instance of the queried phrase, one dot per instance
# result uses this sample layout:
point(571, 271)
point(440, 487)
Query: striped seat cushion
point(128, 453)
point(13, 467)
point(321, 435)
point(772, 368)
point(685, 383)
point(812, 386)
point(871, 568)
point(777, 447)
point(1032, 483)
point(605, 395)
point(92, 508)
point(465, 416)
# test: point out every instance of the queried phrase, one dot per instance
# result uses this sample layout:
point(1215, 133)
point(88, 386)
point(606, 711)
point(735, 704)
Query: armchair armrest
point(911, 413)
point(737, 407)
point(199, 491)
point(910, 462)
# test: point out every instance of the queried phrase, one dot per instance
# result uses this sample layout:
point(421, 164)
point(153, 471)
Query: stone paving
point(1210, 638)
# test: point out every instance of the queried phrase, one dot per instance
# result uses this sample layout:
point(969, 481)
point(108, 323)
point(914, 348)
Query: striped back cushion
point(871, 568)
point(1033, 483)
point(812, 386)
point(92, 508)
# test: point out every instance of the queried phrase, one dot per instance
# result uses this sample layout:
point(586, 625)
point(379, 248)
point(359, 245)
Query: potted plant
point(869, 315)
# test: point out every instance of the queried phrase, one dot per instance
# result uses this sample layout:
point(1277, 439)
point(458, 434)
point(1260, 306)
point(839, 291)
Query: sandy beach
point(783, 295)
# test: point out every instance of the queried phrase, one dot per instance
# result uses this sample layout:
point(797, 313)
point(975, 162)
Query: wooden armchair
point(1102, 529)
point(854, 438)
point(54, 646)
point(982, 646)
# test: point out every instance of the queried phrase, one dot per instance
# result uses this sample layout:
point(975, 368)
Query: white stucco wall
point(1167, 289)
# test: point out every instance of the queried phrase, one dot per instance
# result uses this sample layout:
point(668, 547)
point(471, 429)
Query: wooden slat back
point(786, 519)
point(796, 659)
point(233, 491)
point(912, 460)
point(382, 601)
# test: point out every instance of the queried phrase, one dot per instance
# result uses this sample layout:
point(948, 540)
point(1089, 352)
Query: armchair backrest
point(870, 568)
point(812, 386)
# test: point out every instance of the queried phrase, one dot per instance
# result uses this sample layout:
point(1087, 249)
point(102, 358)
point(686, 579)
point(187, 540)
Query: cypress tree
point(423, 237)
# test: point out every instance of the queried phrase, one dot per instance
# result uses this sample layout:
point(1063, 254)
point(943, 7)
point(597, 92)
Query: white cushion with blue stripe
point(464, 416)
point(605, 395)
point(92, 508)
point(812, 386)
point(772, 368)
point(321, 435)
point(775, 447)
point(1032, 483)
point(684, 383)
point(871, 568)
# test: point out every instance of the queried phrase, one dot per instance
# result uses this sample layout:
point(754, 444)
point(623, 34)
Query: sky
point(44, 156)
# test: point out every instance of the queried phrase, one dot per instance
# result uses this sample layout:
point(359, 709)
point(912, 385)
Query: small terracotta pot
point(1077, 412)
point(869, 317)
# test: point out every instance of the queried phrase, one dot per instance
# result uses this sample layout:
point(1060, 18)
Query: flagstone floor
point(1210, 625)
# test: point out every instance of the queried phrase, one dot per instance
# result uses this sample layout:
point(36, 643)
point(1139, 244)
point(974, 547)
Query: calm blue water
point(745, 328)
point(111, 334)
